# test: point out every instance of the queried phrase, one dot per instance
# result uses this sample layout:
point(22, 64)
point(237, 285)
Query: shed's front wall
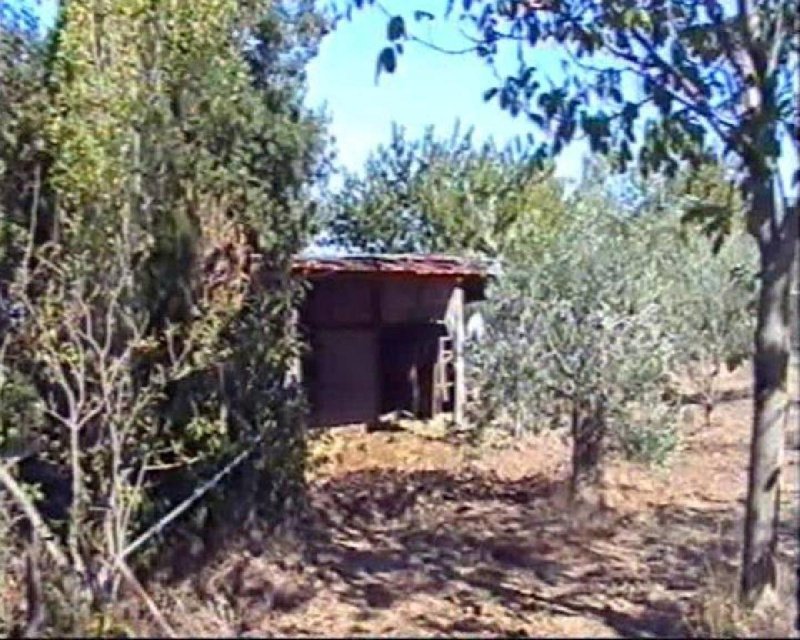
point(346, 380)
point(343, 316)
point(362, 300)
point(339, 302)
point(415, 301)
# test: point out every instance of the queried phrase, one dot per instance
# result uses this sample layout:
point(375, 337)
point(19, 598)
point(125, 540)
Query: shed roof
point(471, 275)
point(413, 265)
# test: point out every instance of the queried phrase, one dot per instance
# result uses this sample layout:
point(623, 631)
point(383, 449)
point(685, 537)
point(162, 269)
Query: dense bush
point(148, 221)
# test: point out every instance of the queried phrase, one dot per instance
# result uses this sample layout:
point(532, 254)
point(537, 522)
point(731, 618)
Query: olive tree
point(713, 275)
point(713, 306)
point(579, 337)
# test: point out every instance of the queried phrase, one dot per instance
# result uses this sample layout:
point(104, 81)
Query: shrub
point(712, 310)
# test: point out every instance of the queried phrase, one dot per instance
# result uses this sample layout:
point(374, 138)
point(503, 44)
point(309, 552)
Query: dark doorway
point(409, 356)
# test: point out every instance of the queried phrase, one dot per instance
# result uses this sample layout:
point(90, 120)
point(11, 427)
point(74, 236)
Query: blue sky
point(428, 88)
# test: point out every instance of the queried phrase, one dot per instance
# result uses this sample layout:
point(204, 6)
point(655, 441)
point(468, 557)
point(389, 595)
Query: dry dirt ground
point(409, 534)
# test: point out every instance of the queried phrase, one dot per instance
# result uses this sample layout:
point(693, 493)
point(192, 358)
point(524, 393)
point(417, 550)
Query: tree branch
point(139, 590)
point(34, 517)
point(777, 42)
point(440, 49)
point(706, 111)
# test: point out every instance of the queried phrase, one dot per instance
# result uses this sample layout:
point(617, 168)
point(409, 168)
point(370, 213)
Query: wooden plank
point(460, 390)
point(346, 380)
point(376, 316)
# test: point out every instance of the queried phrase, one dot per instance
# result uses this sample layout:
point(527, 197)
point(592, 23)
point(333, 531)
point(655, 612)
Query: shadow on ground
point(495, 555)
point(455, 553)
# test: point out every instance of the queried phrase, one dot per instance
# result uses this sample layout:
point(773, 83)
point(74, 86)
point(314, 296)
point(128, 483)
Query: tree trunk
point(588, 449)
point(775, 230)
point(794, 358)
point(794, 295)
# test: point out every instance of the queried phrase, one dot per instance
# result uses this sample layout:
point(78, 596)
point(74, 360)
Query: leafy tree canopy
point(446, 195)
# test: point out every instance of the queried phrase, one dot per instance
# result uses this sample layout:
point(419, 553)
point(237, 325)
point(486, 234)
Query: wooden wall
point(346, 379)
point(339, 301)
point(343, 317)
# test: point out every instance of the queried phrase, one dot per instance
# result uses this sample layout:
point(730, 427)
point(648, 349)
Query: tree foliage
point(593, 333)
point(715, 271)
point(674, 73)
point(446, 195)
point(22, 106)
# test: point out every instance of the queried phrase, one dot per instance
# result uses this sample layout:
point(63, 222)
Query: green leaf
point(662, 99)
point(396, 28)
point(537, 119)
point(387, 61)
point(637, 18)
point(505, 99)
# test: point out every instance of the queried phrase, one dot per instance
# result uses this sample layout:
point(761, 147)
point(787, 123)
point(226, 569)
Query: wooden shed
point(385, 334)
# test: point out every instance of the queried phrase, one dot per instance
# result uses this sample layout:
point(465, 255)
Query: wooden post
point(459, 387)
point(376, 320)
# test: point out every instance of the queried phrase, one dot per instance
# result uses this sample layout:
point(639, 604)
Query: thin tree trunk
point(34, 613)
point(588, 452)
point(775, 234)
point(794, 296)
point(794, 330)
point(709, 393)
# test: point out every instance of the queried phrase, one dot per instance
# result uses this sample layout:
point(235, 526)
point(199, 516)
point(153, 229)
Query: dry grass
point(718, 614)
point(408, 533)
